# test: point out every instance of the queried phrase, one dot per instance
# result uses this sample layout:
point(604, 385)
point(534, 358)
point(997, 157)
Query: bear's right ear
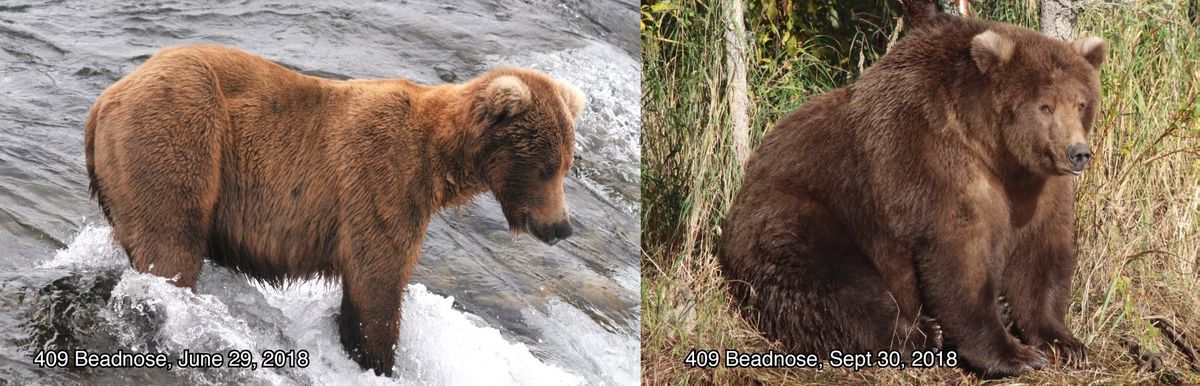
point(1092, 48)
point(990, 50)
point(574, 98)
point(506, 95)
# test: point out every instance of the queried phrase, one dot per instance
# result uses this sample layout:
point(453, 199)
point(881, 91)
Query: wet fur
point(912, 194)
point(207, 151)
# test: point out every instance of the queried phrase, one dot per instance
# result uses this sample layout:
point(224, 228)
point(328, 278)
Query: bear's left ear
point(572, 96)
point(506, 95)
point(990, 50)
point(1093, 48)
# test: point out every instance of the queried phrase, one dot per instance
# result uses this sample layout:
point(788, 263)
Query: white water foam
point(438, 344)
point(603, 352)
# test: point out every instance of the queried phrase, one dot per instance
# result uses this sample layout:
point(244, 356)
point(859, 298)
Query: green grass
point(1139, 203)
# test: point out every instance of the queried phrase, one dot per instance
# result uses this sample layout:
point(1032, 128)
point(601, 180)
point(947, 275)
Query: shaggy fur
point(207, 151)
point(936, 183)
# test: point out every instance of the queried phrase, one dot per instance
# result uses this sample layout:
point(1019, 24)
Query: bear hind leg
point(157, 165)
point(178, 258)
point(168, 235)
point(807, 285)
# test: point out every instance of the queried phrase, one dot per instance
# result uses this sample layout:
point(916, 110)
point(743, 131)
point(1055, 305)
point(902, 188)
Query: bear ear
point(506, 95)
point(1093, 48)
point(572, 96)
point(990, 50)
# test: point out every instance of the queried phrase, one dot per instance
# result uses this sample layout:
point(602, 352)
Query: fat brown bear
point(897, 210)
point(207, 151)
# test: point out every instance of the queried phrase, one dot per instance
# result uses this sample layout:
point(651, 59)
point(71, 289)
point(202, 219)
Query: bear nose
point(562, 229)
point(1079, 154)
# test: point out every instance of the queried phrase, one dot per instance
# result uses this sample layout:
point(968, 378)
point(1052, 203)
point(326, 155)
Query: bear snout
point(562, 229)
point(551, 233)
point(1080, 155)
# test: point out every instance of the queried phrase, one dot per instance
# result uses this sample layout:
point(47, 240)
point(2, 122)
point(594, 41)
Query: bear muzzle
point(551, 233)
point(1079, 155)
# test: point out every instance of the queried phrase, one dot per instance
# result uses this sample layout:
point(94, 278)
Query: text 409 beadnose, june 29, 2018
point(122, 359)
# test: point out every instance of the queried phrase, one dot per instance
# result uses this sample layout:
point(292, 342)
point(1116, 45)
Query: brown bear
point(208, 151)
point(901, 207)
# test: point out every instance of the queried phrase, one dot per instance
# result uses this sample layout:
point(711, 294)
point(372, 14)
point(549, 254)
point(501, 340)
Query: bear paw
point(1014, 359)
point(933, 333)
point(1065, 349)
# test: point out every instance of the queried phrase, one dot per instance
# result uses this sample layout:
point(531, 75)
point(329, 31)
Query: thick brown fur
point(207, 151)
point(936, 183)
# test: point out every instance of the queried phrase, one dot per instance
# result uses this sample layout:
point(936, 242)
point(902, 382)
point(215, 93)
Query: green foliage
point(680, 102)
point(847, 34)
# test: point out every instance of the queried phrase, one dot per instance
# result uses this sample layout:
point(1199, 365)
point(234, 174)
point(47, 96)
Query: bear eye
point(548, 172)
point(1047, 109)
point(1081, 106)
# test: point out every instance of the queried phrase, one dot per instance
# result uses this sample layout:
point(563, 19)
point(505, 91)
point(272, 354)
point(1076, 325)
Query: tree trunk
point(918, 11)
point(735, 83)
point(1058, 18)
point(956, 7)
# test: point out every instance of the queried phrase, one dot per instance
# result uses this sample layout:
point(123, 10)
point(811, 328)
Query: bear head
point(527, 146)
point(1045, 92)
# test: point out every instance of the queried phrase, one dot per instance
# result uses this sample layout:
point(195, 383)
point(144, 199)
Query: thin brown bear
point(207, 151)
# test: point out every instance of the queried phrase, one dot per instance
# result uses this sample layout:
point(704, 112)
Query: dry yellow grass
point(1137, 289)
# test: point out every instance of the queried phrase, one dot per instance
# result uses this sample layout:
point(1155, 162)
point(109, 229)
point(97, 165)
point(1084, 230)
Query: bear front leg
point(957, 285)
point(376, 262)
point(1037, 281)
point(385, 210)
point(369, 323)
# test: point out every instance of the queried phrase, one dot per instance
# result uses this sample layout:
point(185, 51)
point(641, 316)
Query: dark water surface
point(484, 307)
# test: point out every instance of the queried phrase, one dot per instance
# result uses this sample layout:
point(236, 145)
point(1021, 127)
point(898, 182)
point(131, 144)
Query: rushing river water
point(484, 307)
